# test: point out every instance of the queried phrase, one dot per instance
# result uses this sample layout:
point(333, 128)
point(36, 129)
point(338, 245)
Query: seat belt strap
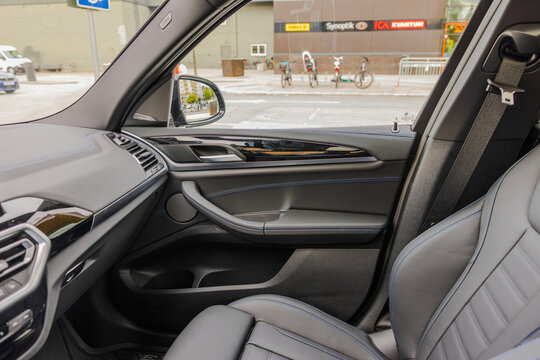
point(487, 119)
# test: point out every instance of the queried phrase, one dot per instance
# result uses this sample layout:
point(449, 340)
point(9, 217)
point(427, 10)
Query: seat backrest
point(469, 287)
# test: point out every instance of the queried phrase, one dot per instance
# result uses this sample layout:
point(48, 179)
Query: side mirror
point(195, 101)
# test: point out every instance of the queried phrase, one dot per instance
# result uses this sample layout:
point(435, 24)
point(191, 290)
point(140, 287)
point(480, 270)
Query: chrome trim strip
point(174, 166)
point(220, 158)
point(43, 245)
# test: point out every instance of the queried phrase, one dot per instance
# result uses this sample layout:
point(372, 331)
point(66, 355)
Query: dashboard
point(64, 191)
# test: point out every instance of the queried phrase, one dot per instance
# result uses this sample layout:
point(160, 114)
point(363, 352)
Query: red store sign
point(399, 24)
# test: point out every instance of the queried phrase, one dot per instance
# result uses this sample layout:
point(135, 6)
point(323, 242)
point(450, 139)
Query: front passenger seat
point(468, 288)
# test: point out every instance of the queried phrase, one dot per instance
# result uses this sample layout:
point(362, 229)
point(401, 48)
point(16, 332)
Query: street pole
point(194, 62)
point(93, 42)
point(136, 15)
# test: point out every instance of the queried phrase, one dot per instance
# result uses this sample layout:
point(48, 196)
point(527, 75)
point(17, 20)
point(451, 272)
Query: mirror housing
point(200, 96)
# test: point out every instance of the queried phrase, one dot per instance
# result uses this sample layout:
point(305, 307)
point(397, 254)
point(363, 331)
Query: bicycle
point(311, 68)
point(286, 75)
point(337, 67)
point(364, 78)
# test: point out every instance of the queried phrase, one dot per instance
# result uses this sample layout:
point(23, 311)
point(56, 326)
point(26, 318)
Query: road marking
point(260, 101)
point(256, 101)
point(309, 102)
point(312, 116)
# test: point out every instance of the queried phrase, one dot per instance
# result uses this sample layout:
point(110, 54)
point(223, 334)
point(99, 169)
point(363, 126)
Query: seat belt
point(487, 119)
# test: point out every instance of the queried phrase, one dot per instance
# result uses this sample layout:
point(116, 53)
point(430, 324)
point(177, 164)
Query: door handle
point(222, 218)
point(220, 158)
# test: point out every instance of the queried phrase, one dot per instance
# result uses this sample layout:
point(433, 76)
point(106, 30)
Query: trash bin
point(29, 71)
point(213, 107)
point(232, 67)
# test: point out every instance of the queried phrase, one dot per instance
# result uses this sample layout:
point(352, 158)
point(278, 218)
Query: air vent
point(146, 158)
point(15, 255)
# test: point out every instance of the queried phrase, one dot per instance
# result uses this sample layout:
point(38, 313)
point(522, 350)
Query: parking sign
point(94, 4)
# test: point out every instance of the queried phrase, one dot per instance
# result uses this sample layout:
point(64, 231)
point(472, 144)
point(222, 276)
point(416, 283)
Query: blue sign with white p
point(94, 4)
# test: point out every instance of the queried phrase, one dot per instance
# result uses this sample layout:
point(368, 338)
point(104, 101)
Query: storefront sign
point(399, 24)
point(361, 26)
point(369, 25)
point(293, 27)
point(407, 24)
point(340, 26)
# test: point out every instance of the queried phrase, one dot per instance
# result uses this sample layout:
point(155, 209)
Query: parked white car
point(11, 60)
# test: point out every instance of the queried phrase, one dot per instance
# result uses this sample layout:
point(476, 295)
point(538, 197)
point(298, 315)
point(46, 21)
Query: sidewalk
point(268, 83)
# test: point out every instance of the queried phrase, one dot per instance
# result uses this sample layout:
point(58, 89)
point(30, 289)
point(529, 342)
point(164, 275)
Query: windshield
point(13, 54)
point(65, 59)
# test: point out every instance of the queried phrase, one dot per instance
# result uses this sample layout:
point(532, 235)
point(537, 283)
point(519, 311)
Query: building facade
point(247, 34)
point(52, 34)
point(382, 30)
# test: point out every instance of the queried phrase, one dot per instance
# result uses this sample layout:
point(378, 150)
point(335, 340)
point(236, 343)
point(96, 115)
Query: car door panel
point(311, 228)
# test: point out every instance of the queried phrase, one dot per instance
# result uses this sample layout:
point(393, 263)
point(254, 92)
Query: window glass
point(321, 63)
point(13, 54)
point(46, 54)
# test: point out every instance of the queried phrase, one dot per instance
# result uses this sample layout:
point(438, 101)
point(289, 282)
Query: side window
point(258, 49)
point(320, 63)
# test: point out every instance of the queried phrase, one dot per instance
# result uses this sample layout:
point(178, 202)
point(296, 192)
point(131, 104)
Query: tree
point(208, 93)
point(191, 99)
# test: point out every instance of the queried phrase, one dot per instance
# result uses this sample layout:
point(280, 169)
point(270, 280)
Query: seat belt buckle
point(508, 92)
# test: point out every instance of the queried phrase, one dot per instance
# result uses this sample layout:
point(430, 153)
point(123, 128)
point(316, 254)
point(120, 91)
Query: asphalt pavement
point(255, 100)
point(54, 92)
point(301, 111)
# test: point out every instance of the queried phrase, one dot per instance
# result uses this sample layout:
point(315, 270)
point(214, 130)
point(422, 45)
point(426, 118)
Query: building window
point(258, 49)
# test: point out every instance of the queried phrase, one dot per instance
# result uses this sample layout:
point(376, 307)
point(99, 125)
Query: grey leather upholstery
point(270, 327)
point(468, 288)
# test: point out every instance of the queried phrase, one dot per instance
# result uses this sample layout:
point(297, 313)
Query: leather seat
point(468, 288)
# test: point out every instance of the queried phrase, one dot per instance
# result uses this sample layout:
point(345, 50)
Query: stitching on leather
point(260, 347)
point(303, 183)
point(443, 351)
point(460, 340)
point(477, 323)
point(513, 284)
point(308, 343)
point(248, 351)
point(528, 259)
point(316, 310)
point(521, 347)
point(495, 187)
point(465, 271)
point(364, 228)
point(89, 146)
point(397, 266)
point(365, 346)
point(484, 283)
point(246, 340)
point(493, 303)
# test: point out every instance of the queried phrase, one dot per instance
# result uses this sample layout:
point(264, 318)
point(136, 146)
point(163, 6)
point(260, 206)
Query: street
point(52, 93)
point(253, 101)
point(301, 111)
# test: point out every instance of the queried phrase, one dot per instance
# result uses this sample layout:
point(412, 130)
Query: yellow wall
point(253, 24)
point(57, 34)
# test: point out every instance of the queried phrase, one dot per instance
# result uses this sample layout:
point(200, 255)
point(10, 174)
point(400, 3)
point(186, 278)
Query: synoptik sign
point(345, 26)
point(372, 25)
